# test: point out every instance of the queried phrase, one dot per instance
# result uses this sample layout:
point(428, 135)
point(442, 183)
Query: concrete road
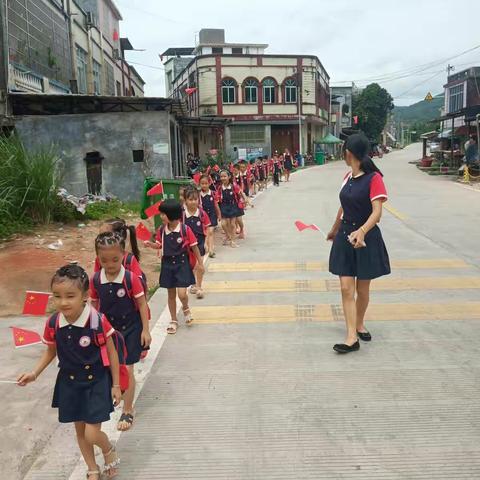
point(253, 390)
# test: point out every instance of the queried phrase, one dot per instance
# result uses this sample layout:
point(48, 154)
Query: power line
point(148, 66)
point(418, 84)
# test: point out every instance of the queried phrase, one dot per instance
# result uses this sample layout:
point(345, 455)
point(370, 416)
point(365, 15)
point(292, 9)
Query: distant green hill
point(420, 112)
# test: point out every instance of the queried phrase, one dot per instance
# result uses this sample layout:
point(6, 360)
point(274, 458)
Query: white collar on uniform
point(81, 320)
point(226, 187)
point(176, 230)
point(188, 214)
point(205, 194)
point(117, 279)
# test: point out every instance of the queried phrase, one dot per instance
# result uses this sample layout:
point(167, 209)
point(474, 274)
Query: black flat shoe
point(365, 336)
point(343, 348)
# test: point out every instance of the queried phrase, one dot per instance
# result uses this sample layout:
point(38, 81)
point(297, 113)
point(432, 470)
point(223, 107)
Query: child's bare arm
point(146, 338)
point(115, 370)
point(47, 356)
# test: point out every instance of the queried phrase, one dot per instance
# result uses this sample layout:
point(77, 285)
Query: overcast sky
point(354, 40)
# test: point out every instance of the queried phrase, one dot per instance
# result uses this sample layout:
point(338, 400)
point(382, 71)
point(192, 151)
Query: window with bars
point(97, 78)
point(228, 90)
point(269, 90)
point(247, 134)
point(109, 79)
point(455, 95)
point(290, 91)
point(81, 69)
point(251, 91)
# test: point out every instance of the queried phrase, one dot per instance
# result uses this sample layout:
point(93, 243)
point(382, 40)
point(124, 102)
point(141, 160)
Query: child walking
point(85, 391)
point(197, 219)
point(176, 241)
point(209, 203)
point(119, 294)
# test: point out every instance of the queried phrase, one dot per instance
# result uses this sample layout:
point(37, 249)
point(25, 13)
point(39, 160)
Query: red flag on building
point(24, 338)
point(143, 233)
point(355, 119)
point(156, 190)
point(191, 91)
point(35, 303)
point(153, 209)
point(116, 36)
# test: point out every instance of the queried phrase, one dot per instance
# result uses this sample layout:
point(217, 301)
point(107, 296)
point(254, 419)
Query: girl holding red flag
point(208, 202)
point(86, 391)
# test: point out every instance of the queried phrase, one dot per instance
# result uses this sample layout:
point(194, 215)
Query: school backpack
point(100, 341)
point(192, 259)
point(236, 192)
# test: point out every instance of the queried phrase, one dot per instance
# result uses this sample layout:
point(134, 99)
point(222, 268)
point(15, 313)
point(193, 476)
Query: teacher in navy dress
point(358, 252)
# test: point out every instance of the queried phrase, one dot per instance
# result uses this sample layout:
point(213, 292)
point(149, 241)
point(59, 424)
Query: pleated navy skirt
point(228, 210)
point(83, 395)
point(364, 263)
point(176, 272)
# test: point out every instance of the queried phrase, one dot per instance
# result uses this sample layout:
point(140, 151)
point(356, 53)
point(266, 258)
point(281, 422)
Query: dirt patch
point(28, 263)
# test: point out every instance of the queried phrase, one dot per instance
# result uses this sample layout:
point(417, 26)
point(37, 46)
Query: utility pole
point(3, 59)
point(299, 106)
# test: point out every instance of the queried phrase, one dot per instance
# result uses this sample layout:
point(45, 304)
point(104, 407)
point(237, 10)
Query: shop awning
point(330, 140)
point(445, 134)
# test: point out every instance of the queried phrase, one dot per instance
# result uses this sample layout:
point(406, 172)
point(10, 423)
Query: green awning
point(330, 140)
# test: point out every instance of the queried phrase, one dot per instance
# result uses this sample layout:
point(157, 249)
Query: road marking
point(394, 212)
point(329, 313)
point(414, 264)
point(383, 284)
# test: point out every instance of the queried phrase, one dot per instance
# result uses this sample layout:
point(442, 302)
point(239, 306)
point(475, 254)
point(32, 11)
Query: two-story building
point(270, 102)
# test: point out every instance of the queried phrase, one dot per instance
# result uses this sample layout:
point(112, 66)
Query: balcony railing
point(21, 80)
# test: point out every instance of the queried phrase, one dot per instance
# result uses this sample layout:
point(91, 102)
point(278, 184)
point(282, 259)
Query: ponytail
point(367, 165)
point(133, 241)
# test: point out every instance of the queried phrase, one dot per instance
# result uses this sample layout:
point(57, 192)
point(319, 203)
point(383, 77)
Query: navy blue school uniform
point(228, 201)
point(116, 299)
point(288, 163)
point(198, 223)
point(208, 202)
point(83, 388)
point(176, 271)
point(356, 197)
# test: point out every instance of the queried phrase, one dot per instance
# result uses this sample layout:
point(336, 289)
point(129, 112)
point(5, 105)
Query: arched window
point(290, 90)
point(228, 90)
point(269, 94)
point(251, 91)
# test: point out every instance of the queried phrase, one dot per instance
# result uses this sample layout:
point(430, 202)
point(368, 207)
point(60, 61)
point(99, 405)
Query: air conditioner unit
point(90, 20)
point(116, 54)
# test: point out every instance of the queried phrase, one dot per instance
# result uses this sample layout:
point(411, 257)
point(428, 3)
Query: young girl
point(176, 240)
point(231, 200)
point(288, 164)
point(199, 222)
point(277, 170)
point(84, 388)
point(131, 260)
point(119, 294)
point(209, 203)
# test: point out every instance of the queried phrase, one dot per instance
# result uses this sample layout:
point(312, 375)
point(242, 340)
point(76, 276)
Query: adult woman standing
point(287, 164)
point(358, 252)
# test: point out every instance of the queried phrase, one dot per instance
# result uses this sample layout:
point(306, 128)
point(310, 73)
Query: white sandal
point(108, 467)
point(188, 316)
point(94, 472)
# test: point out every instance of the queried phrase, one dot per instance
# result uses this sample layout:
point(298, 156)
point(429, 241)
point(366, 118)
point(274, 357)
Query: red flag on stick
point(24, 338)
point(35, 303)
point(216, 168)
point(196, 178)
point(303, 226)
point(153, 209)
point(156, 190)
point(190, 91)
point(143, 233)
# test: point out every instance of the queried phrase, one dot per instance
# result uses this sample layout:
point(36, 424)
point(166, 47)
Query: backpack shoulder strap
point(128, 260)
point(128, 282)
point(53, 324)
point(96, 280)
point(99, 335)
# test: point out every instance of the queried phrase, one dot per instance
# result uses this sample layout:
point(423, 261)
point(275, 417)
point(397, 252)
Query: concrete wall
point(114, 135)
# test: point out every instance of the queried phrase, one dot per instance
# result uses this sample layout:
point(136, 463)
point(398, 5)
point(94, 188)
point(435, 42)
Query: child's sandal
point(172, 328)
point(110, 468)
point(93, 472)
point(200, 294)
point(188, 316)
point(193, 289)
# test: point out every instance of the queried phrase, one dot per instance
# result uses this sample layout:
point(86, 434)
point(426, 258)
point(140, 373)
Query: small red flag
point(303, 226)
point(216, 168)
point(156, 190)
point(35, 303)
point(143, 233)
point(24, 338)
point(355, 119)
point(190, 91)
point(196, 178)
point(153, 209)
point(208, 170)
point(116, 36)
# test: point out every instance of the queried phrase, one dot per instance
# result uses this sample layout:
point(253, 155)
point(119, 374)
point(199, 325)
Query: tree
point(372, 106)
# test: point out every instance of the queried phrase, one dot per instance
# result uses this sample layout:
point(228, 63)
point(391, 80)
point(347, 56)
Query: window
point(138, 156)
point(97, 78)
point(269, 90)
point(455, 98)
point(290, 91)
point(110, 80)
point(217, 50)
point(228, 90)
point(119, 88)
point(81, 70)
point(237, 50)
point(251, 91)
point(247, 134)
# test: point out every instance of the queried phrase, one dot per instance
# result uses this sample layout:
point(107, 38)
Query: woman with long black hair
point(358, 252)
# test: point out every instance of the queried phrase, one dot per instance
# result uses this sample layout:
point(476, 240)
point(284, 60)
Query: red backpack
point(236, 193)
point(100, 341)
